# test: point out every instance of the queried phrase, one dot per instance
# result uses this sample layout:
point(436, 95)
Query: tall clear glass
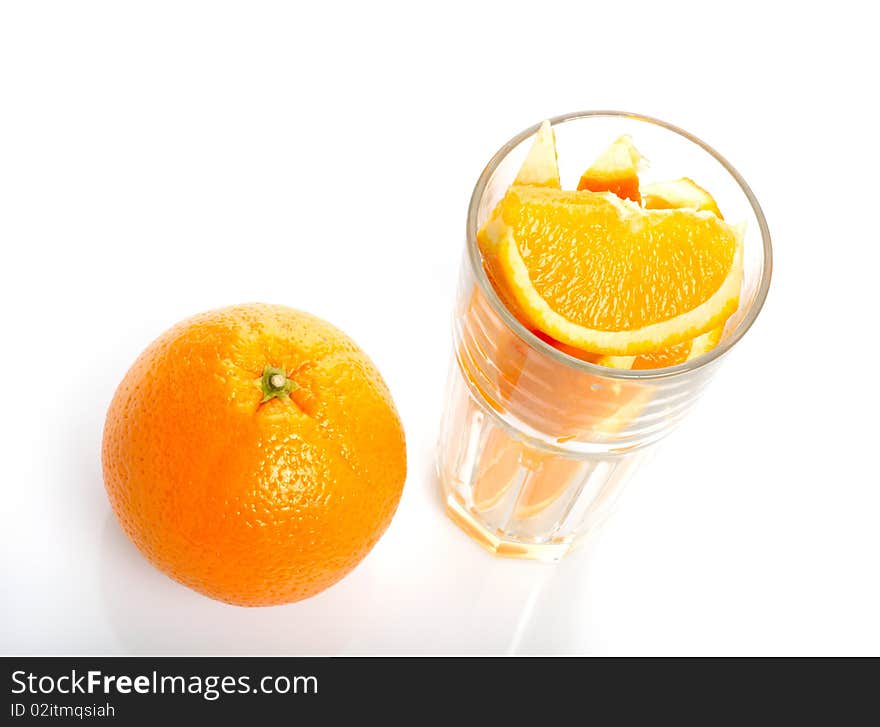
point(535, 445)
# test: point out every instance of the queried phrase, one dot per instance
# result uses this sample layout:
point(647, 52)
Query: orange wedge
point(606, 276)
point(549, 478)
point(681, 352)
point(540, 169)
point(617, 362)
point(575, 400)
point(570, 350)
point(682, 193)
point(496, 470)
point(616, 171)
point(668, 356)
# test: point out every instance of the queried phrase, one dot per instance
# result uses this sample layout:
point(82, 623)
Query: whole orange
point(254, 454)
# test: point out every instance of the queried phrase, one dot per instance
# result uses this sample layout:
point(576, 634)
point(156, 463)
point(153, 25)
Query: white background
point(158, 159)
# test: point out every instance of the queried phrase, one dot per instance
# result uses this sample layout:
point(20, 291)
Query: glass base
point(497, 544)
point(511, 493)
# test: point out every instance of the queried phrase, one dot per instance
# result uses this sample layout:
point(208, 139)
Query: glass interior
point(671, 153)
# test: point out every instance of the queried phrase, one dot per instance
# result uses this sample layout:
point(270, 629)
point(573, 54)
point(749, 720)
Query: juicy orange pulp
point(609, 277)
point(616, 171)
point(564, 289)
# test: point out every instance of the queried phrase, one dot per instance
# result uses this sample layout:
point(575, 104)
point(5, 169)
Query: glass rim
point(476, 261)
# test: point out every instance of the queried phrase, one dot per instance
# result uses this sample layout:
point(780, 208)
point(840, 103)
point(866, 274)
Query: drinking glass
point(535, 444)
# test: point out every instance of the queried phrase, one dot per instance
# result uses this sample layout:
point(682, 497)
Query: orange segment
point(616, 362)
point(667, 356)
point(497, 469)
point(570, 350)
point(680, 352)
point(574, 400)
point(606, 276)
point(549, 478)
point(616, 170)
point(626, 413)
point(682, 193)
point(706, 342)
point(541, 167)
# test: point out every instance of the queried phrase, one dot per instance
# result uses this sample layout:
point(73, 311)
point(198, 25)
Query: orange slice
point(541, 168)
point(616, 362)
point(682, 193)
point(570, 350)
point(496, 470)
point(574, 400)
point(616, 170)
point(550, 476)
point(681, 352)
point(604, 275)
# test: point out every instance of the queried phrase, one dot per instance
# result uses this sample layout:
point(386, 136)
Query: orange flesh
point(497, 468)
point(604, 269)
point(578, 353)
point(626, 187)
point(669, 356)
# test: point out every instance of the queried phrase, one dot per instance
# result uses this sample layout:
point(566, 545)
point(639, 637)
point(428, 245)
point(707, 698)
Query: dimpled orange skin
point(253, 503)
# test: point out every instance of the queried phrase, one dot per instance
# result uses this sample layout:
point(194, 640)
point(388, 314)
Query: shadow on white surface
point(425, 588)
point(151, 613)
point(440, 596)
